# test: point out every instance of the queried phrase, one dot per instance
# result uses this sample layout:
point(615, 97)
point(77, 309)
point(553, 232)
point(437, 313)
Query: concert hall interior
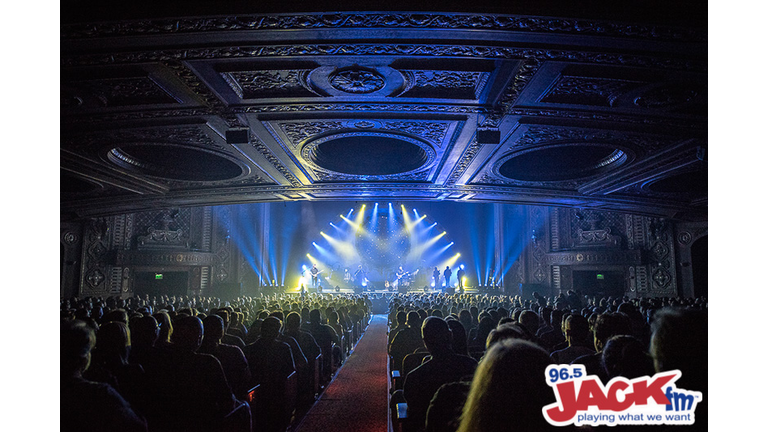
point(251, 159)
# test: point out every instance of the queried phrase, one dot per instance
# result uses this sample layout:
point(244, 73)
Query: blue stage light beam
point(434, 256)
point(391, 219)
point(418, 249)
point(374, 218)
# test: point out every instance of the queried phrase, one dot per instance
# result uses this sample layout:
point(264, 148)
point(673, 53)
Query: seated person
point(191, 392)
point(231, 357)
point(88, 406)
point(444, 367)
point(271, 362)
point(508, 392)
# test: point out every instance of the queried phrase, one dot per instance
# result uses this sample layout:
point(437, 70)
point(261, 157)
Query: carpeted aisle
point(357, 399)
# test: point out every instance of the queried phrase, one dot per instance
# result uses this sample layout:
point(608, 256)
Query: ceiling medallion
point(356, 80)
point(371, 154)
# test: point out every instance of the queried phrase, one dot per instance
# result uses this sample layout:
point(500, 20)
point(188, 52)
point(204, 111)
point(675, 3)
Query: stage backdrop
point(280, 241)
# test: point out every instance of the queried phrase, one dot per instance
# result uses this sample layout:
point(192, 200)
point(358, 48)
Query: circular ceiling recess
point(174, 162)
point(562, 162)
point(368, 153)
point(691, 182)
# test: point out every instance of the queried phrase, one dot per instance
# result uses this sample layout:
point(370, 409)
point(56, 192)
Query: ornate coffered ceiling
point(179, 110)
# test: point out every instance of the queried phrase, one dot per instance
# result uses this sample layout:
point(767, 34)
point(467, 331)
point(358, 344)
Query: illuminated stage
point(350, 291)
point(384, 247)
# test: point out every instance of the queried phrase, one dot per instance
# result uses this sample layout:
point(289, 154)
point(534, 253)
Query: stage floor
point(345, 291)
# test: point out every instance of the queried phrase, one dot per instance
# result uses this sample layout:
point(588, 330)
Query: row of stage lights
point(346, 248)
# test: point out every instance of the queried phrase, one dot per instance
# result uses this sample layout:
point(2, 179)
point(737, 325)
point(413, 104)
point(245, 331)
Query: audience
point(165, 364)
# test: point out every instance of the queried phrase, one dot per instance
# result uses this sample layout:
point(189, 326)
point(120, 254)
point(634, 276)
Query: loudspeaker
point(488, 136)
point(238, 136)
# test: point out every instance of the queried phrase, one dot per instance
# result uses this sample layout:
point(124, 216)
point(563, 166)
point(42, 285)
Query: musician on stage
point(460, 277)
point(401, 273)
point(447, 275)
point(436, 277)
point(360, 277)
point(314, 272)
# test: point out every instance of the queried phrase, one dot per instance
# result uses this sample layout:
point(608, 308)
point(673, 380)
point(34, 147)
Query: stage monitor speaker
point(238, 136)
point(488, 136)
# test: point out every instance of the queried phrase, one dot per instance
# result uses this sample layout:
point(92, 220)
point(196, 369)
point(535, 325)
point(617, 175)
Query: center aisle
point(356, 400)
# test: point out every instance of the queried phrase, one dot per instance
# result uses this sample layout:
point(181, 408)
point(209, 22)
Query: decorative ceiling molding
point(323, 97)
point(389, 20)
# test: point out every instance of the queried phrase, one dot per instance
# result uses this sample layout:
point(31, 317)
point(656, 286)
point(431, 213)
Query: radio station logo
point(583, 399)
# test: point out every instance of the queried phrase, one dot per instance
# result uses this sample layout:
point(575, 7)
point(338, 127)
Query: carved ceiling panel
point(421, 106)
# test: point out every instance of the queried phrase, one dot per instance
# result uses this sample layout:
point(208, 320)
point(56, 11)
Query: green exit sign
point(599, 276)
point(158, 276)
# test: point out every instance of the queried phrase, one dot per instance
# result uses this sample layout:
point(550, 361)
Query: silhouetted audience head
point(144, 331)
point(187, 333)
point(293, 321)
point(77, 340)
point(679, 341)
point(458, 337)
point(400, 318)
point(119, 315)
point(270, 328)
point(509, 389)
point(576, 329)
point(314, 317)
point(213, 330)
point(113, 341)
point(484, 328)
point(507, 331)
point(413, 319)
point(530, 320)
point(166, 326)
point(610, 324)
point(436, 335)
point(625, 356)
